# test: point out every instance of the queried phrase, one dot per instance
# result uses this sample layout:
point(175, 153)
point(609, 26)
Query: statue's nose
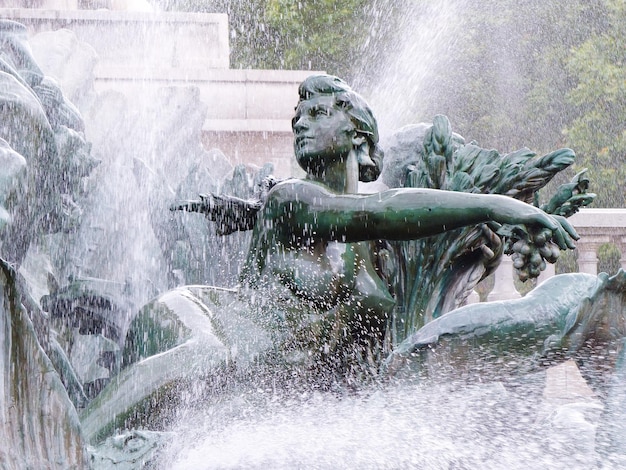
point(300, 123)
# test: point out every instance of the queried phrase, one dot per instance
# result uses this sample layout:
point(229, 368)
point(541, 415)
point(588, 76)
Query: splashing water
point(425, 38)
point(434, 426)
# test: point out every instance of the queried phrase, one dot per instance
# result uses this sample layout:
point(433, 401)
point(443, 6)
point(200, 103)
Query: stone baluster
point(504, 285)
point(588, 258)
point(622, 249)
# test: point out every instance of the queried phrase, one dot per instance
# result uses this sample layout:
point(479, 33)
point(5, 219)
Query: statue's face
point(323, 133)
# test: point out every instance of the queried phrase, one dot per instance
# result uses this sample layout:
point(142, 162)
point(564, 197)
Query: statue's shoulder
point(296, 189)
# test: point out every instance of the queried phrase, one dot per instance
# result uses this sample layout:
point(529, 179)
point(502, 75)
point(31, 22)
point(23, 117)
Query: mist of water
point(423, 42)
point(434, 426)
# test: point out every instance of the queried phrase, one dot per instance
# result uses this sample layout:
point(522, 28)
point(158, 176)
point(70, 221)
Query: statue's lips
point(301, 140)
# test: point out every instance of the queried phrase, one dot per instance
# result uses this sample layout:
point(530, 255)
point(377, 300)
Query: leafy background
point(516, 73)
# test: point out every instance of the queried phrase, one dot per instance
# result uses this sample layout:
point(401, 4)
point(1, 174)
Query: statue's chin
point(316, 165)
point(312, 166)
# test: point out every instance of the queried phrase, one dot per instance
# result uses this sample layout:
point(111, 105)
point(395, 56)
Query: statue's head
point(332, 119)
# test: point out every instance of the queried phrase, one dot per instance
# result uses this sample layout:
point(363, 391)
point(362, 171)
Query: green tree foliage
point(609, 258)
point(504, 78)
point(567, 262)
point(320, 34)
point(535, 73)
point(328, 35)
point(598, 133)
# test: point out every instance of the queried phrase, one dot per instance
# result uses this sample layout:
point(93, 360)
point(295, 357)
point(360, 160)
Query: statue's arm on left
point(231, 214)
point(203, 206)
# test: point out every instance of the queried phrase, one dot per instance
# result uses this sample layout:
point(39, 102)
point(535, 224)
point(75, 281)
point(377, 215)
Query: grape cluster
point(531, 251)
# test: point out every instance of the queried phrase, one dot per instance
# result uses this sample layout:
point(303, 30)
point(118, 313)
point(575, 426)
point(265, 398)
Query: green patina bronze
point(317, 240)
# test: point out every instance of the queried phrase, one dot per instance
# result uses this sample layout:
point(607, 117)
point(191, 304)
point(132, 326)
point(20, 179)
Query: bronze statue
point(312, 236)
point(316, 298)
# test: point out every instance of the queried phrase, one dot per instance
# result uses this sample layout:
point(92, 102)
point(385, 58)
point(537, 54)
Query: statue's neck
point(342, 177)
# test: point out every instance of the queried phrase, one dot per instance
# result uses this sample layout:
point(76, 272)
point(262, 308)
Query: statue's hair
point(358, 111)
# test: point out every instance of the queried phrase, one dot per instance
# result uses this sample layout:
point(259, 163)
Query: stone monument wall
point(248, 111)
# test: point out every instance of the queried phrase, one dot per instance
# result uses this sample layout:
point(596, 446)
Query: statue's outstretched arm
point(310, 211)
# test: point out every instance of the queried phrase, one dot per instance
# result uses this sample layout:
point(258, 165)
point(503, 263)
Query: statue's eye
point(318, 111)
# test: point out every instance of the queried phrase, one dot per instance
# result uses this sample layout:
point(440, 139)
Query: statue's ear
point(358, 140)
point(360, 143)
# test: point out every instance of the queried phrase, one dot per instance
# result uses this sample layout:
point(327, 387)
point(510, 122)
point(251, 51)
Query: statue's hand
point(204, 206)
point(538, 241)
point(562, 232)
point(533, 220)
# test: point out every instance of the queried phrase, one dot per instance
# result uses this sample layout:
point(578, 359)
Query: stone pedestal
point(596, 227)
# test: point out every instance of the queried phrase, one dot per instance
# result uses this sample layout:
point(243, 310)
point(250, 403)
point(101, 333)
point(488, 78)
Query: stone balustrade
point(597, 227)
